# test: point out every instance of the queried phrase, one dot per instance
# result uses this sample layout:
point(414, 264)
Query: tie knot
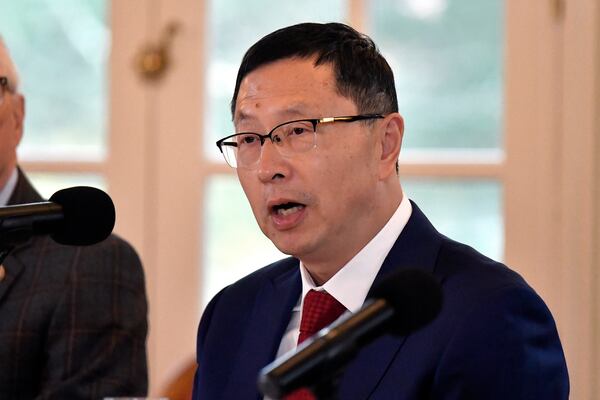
point(319, 310)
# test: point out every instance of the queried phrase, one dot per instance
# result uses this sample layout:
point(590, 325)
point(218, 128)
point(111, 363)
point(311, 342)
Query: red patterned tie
point(319, 310)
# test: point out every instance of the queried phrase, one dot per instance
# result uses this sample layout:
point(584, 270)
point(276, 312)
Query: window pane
point(234, 245)
point(60, 49)
point(47, 183)
point(233, 27)
point(469, 211)
point(447, 61)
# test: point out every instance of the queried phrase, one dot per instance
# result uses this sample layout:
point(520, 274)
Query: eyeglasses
point(3, 87)
point(292, 137)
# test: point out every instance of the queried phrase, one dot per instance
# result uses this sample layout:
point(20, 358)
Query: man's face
point(316, 205)
point(11, 127)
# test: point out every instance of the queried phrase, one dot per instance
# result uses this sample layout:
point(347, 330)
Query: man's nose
point(271, 164)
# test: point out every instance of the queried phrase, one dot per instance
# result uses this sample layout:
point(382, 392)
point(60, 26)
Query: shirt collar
point(8, 188)
point(352, 282)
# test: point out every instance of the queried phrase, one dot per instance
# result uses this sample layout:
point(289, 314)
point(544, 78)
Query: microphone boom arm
point(330, 349)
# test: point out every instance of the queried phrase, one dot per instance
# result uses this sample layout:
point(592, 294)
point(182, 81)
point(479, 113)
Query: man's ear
point(391, 142)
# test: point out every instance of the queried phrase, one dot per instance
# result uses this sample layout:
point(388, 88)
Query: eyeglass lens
point(290, 138)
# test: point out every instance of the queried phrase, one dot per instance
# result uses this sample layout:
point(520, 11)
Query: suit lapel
point(271, 314)
point(23, 193)
point(416, 248)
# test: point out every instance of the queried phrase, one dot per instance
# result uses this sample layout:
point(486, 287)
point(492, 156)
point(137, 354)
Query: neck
point(323, 267)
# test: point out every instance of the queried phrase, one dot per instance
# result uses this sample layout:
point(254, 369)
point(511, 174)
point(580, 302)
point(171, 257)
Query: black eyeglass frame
point(313, 121)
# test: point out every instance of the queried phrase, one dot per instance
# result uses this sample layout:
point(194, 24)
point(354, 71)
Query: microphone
point(402, 303)
point(76, 216)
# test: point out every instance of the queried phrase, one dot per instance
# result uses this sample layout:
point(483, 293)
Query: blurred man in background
point(73, 320)
point(318, 135)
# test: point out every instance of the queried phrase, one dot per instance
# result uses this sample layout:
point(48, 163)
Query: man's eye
point(298, 130)
point(248, 139)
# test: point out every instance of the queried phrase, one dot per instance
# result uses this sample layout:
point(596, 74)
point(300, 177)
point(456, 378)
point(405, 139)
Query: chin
point(293, 243)
point(291, 249)
point(288, 250)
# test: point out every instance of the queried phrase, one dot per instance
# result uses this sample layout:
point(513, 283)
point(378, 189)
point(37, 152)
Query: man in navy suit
point(316, 149)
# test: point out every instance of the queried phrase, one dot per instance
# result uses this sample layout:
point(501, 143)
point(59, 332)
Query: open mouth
point(287, 208)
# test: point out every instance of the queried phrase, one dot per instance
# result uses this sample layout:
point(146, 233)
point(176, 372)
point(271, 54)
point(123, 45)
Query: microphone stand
point(326, 380)
point(326, 388)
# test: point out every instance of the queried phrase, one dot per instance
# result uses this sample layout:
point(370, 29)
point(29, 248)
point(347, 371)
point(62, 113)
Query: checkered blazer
point(72, 319)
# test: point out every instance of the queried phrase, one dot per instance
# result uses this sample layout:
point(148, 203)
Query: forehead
point(289, 86)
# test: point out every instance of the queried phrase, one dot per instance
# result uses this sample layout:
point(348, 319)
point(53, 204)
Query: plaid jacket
point(72, 319)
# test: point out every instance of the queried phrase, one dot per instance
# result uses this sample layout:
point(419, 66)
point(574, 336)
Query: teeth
point(288, 211)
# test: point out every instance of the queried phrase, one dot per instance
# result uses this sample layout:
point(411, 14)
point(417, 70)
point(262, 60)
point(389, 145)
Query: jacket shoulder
point(459, 264)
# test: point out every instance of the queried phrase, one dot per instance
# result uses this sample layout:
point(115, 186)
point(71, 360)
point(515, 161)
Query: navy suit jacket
point(493, 339)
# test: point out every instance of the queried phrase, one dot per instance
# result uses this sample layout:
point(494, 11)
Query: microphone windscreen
point(89, 216)
point(415, 296)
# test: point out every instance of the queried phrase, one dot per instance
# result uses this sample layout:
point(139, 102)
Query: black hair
point(361, 72)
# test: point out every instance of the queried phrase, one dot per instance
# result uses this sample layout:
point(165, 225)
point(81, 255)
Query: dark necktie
point(319, 310)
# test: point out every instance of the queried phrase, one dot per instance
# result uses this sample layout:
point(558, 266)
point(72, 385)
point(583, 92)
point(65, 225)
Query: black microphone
point(77, 216)
point(400, 304)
